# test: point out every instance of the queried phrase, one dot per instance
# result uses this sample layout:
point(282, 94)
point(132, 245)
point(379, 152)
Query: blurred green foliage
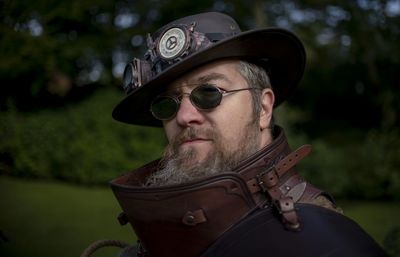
point(78, 143)
point(368, 169)
point(365, 168)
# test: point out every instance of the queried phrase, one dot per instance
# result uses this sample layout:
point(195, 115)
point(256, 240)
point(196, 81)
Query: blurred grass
point(377, 218)
point(53, 219)
point(43, 218)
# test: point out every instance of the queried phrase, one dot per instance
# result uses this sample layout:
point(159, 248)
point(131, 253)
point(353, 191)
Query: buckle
point(272, 178)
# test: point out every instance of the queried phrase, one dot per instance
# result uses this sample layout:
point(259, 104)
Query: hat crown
point(207, 23)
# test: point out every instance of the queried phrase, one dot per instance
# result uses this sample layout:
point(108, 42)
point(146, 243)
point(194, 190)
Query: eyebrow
point(213, 76)
point(202, 80)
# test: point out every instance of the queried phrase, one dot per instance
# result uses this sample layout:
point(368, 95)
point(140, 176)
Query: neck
point(276, 148)
point(266, 137)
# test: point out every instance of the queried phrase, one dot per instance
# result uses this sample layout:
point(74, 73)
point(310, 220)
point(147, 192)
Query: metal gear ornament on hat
point(172, 43)
point(193, 41)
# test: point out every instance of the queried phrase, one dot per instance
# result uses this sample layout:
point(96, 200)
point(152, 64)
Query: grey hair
point(256, 77)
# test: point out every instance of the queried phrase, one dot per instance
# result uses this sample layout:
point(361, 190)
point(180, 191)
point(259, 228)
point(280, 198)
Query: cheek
point(170, 130)
point(233, 117)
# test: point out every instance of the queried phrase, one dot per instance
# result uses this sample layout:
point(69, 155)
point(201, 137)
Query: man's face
point(217, 138)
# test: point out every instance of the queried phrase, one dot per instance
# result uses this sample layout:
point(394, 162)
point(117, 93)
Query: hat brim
point(282, 49)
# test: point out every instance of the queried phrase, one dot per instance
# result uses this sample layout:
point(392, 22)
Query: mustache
point(193, 133)
point(171, 151)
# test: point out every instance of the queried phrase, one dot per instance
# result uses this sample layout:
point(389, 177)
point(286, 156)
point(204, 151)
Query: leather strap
point(268, 182)
point(270, 178)
point(286, 208)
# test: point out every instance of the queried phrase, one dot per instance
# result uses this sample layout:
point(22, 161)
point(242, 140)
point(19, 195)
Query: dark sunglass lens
point(164, 108)
point(206, 97)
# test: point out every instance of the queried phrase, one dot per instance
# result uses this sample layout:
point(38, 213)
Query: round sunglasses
point(204, 97)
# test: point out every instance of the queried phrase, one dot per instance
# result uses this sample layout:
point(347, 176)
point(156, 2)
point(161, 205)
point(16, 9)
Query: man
point(226, 185)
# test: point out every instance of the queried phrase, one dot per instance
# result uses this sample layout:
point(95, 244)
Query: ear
point(267, 105)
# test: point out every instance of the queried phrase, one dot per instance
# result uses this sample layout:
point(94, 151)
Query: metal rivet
point(190, 219)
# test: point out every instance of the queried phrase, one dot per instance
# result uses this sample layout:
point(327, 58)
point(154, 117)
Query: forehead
point(221, 72)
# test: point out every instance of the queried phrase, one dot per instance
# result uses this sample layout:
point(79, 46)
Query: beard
point(181, 166)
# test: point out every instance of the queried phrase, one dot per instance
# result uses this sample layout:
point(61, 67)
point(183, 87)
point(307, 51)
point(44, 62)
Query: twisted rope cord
point(102, 243)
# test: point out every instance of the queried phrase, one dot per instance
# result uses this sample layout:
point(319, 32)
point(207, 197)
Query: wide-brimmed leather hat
point(192, 41)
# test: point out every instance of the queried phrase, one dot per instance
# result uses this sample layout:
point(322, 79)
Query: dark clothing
point(323, 233)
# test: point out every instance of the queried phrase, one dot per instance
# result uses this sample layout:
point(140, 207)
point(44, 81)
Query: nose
point(188, 114)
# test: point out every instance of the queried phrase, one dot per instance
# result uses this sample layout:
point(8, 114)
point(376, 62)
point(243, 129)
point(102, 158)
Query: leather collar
point(196, 214)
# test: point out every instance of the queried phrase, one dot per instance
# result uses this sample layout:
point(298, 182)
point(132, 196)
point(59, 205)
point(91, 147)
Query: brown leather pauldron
point(186, 219)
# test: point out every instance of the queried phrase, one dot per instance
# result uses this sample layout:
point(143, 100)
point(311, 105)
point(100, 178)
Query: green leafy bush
point(374, 165)
point(79, 143)
point(362, 167)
